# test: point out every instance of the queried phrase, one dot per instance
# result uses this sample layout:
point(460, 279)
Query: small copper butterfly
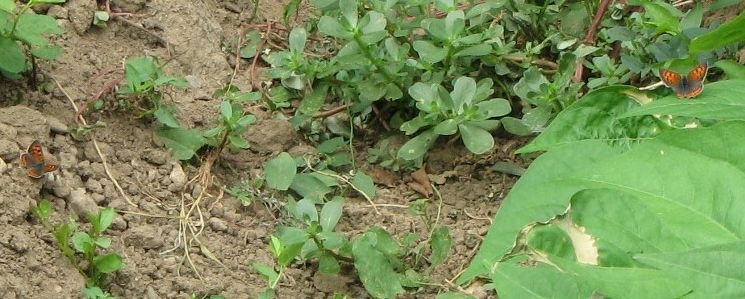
point(33, 160)
point(688, 86)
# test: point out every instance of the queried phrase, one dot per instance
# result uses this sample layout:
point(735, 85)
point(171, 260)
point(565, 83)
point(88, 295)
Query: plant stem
point(334, 254)
point(279, 276)
point(376, 62)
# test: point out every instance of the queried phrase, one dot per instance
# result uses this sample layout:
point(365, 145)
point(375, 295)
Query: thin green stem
point(334, 254)
point(351, 137)
point(274, 283)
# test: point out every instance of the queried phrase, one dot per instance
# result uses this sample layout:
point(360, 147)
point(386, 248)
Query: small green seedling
point(146, 82)
point(83, 248)
point(385, 155)
point(247, 192)
point(234, 121)
point(465, 110)
point(284, 256)
point(21, 32)
point(101, 18)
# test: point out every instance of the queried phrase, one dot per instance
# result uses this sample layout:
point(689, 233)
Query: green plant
point(232, 122)
point(146, 82)
point(284, 256)
point(386, 156)
point(642, 216)
point(101, 18)
point(82, 248)
point(23, 37)
point(247, 192)
point(385, 266)
point(465, 110)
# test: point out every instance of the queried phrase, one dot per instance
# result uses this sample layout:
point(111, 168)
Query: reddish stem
point(589, 40)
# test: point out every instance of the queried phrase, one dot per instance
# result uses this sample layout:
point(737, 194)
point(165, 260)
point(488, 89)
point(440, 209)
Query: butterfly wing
point(25, 159)
point(698, 74)
point(35, 173)
point(695, 81)
point(50, 167)
point(34, 160)
point(674, 81)
point(36, 152)
point(670, 78)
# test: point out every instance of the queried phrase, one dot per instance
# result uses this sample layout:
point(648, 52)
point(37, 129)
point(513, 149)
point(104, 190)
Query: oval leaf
point(280, 171)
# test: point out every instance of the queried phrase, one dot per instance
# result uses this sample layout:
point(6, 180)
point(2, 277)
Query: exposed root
point(191, 218)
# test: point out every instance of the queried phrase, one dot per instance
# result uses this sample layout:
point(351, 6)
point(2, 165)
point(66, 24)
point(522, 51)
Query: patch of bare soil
point(192, 36)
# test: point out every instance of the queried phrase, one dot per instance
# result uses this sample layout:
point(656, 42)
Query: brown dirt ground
point(196, 32)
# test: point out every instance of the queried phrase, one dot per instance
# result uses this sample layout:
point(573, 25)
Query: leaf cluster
point(23, 36)
point(232, 122)
point(147, 82)
point(386, 266)
point(83, 248)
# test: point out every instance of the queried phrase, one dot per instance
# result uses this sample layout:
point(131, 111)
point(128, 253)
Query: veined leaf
point(183, 142)
point(689, 181)
point(722, 100)
point(596, 116)
point(729, 33)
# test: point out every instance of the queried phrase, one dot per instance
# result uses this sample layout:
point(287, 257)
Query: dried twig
point(590, 37)
point(95, 145)
point(259, 50)
point(539, 62)
point(331, 112)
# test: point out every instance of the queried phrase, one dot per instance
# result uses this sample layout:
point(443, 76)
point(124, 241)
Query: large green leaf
point(417, 146)
point(686, 186)
point(536, 197)
point(596, 117)
point(108, 263)
point(663, 16)
point(31, 28)
point(47, 52)
point(371, 259)
point(331, 213)
point(12, 60)
point(298, 37)
point(313, 102)
point(723, 100)
point(729, 33)
point(714, 272)
point(626, 231)
point(513, 280)
point(7, 5)
point(476, 139)
point(617, 282)
point(429, 52)
point(183, 142)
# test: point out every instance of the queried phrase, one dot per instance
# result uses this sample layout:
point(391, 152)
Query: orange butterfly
point(688, 86)
point(33, 160)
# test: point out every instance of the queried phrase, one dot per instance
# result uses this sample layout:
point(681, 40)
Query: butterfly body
point(689, 86)
point(33, 160)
